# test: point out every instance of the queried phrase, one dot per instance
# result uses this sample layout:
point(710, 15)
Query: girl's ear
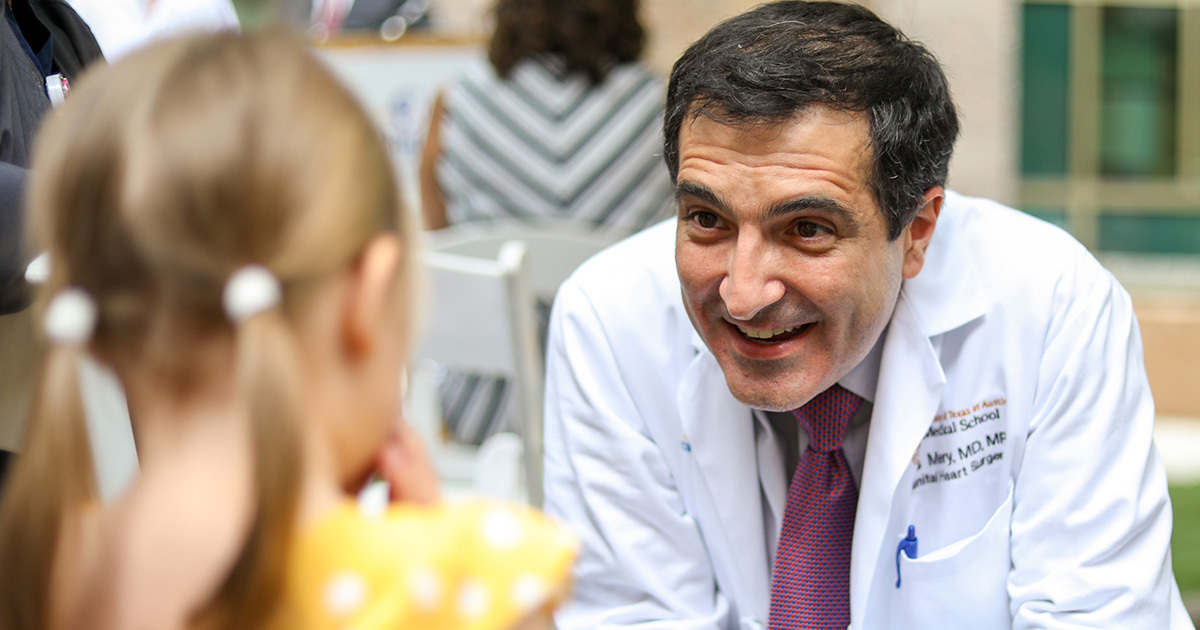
point(368, 298)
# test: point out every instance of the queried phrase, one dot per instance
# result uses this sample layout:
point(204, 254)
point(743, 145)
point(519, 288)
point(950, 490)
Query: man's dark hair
point(766, 66)
point(591, 36)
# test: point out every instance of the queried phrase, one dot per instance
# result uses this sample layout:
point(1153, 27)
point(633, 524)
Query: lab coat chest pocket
point(961, 585)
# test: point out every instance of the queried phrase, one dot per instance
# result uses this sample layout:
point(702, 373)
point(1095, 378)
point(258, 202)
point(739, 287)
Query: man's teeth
point(767, 334)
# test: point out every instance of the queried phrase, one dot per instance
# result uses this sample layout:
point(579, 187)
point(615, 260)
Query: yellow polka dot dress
point(470, 566)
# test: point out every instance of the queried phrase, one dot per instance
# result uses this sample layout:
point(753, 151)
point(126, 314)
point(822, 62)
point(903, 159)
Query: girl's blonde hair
point(160, 177)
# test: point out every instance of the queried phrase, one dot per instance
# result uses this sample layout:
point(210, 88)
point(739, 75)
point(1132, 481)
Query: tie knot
point(826, 417)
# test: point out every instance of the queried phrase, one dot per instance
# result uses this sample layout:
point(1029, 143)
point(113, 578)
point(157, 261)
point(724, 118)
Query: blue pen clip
point(909, 546)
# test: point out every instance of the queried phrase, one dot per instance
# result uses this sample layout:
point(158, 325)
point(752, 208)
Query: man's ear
point(919, 232)
point(369, 294)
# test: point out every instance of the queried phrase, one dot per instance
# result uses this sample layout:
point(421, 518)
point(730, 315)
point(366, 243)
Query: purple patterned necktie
point(811, 585)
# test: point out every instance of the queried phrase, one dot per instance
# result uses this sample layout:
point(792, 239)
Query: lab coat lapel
point(943, 297)
point(906, 399)
point(719, 431)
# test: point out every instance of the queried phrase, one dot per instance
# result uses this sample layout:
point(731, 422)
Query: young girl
point(224, 230)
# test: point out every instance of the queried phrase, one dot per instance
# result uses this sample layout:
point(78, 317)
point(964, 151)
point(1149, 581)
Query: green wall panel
point(1045, 72)
point(1151, 234)
point(1138, 93)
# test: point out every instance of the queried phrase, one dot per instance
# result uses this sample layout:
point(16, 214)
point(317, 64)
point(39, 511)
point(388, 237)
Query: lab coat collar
point(911, 382)
point(719, 433)
point(944, 296)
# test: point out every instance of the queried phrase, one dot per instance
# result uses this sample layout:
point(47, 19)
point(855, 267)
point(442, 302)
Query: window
point(1110, 113)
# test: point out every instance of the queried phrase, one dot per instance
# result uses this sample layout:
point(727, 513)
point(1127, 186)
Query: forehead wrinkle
point(849, 176)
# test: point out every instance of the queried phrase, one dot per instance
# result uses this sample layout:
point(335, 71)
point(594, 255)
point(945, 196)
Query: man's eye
point(706, 220)
point(808, 229)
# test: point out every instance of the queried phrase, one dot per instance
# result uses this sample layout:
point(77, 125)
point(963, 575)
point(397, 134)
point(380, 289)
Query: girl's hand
point(403, 462)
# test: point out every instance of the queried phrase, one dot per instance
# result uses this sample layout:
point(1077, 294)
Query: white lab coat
point(1011, 372)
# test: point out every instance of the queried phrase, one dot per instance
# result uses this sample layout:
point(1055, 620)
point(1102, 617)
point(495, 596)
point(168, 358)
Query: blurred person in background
point(184, 198)
point(563, 124)
point(40, 43)
point(23, 99)
point(53, 29)
point(43, 46)
point(39, 39)
point(23, 104)
point(13, 289)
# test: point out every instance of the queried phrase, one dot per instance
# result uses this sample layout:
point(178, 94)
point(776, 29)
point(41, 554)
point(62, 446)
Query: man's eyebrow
point(811, 204)
point(782, 209)
point(703, 193)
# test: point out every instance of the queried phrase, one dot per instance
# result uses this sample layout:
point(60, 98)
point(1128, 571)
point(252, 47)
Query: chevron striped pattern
point(544, 144)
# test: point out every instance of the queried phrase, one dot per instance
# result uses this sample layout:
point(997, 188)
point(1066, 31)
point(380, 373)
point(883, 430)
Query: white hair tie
point(71, 317)
point(38, 271)
point(250, 291)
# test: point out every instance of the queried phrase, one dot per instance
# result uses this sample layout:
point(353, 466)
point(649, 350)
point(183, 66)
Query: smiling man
point(832, 393)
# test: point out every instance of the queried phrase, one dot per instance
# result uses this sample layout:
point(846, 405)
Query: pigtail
point(269, 378)
point(47, 489)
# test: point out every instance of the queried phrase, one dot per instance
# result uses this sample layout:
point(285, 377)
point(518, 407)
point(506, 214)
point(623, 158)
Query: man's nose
point(750, 284)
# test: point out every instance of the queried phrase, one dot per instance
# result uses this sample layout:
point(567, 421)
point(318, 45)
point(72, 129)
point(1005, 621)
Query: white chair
point(481, 320)
point(555, 247)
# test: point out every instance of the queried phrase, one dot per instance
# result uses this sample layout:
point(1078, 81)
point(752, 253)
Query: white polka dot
point(345, 594)
point(502, 529)
point(529, 592)
point(426, 588)
point(473, 600)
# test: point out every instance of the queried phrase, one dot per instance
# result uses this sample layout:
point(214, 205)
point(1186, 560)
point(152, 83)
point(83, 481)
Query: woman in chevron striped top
point(564, 123)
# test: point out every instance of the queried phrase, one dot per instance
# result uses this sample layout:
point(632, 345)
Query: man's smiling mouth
point(773, 335)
